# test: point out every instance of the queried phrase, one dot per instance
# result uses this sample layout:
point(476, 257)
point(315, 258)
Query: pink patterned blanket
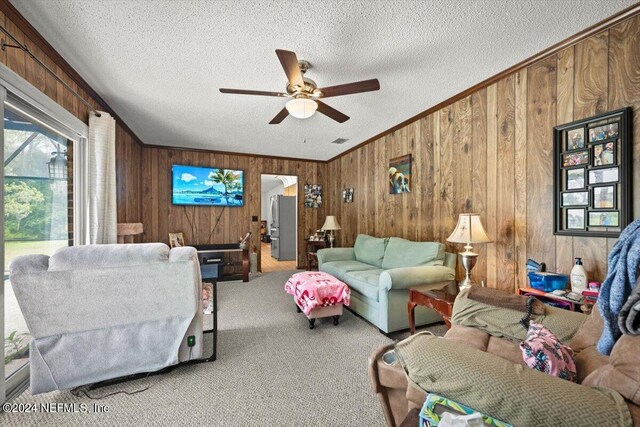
point(311, 289)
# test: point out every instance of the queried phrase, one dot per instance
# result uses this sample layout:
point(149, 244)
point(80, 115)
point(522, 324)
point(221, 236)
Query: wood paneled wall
point(491, 152)
point(128, 151)
point(160, 217)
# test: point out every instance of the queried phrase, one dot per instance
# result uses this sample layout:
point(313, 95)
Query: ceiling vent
point(339, 141)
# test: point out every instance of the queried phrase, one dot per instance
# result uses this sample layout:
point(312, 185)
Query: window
point(43, 200)
point(38, 203)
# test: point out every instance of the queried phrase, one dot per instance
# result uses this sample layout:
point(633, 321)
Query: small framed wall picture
point(575, 139)
point(604, 197)
point(604, 219)
point(399, 174)
point(312, 196)
point(347, 195)
point(592, 170)
point(575, 159)
point(601, 176)
point(575, 179)
point(575, 198)
point(600, 133)
point(575, 219)
point(604, 154)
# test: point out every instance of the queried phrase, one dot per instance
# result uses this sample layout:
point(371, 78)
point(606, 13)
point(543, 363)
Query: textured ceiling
point(159, 64)
point(269, 182)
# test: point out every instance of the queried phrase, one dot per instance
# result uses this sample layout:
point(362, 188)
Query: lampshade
point(469, 230)
point(301, 108)
point(330, 223)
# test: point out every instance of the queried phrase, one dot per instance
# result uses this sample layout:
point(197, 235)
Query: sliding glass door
point(43, 203)
point(38, 212)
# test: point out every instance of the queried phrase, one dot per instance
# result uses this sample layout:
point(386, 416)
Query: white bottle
point(578, 277)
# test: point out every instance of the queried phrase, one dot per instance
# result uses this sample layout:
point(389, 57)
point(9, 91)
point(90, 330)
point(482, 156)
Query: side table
point(557, 301)
point(312, 246)
point(439, 300)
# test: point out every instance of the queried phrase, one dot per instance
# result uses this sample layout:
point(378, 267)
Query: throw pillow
point(543, 352)
point(402, 253)
point(370, 250)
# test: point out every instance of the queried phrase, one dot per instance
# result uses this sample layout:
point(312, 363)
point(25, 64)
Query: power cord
point(83, 391)
point(526, 319)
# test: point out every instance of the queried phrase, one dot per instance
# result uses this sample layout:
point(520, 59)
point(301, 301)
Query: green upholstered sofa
point(380, 272)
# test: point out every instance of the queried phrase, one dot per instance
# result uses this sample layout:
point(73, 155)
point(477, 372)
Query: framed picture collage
point(592, 175)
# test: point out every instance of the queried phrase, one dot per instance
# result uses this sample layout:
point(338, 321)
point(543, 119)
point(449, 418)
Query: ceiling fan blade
point(289, 62)
point(350, 88)
point(251, 92)
point(331, 112)
point(279, 117)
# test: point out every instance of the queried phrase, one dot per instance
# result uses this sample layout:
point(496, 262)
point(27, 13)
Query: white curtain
point(103, 226)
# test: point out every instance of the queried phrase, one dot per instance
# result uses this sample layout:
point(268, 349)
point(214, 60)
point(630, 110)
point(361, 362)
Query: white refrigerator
point(283, 227)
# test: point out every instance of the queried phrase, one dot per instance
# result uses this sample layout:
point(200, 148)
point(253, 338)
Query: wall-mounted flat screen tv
point(193, 185)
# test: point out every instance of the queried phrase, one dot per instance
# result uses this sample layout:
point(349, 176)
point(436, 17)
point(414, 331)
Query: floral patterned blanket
point(311, 289)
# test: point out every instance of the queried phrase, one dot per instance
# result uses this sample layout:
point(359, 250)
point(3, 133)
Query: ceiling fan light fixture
point(301, 108)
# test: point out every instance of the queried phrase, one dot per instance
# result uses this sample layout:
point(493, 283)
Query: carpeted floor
point(272, 370)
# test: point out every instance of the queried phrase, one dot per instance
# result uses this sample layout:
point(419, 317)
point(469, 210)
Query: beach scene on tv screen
point(207, 186)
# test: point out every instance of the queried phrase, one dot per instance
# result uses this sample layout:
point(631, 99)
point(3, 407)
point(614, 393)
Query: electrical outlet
point(191, 340)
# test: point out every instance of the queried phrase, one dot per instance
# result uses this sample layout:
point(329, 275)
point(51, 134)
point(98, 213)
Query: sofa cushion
point(370, 250)
point(364, 282)
point(480, 340)
point(340, 268)
point(405, 253)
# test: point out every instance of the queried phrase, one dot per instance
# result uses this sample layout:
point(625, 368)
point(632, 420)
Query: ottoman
point(318, 294)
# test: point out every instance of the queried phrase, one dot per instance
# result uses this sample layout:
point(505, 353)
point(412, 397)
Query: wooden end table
point(312, 247)
point(312, 261)
point(439, 300)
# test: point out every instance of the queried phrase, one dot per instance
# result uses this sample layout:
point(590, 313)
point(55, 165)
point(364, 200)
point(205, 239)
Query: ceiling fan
point(304, 92)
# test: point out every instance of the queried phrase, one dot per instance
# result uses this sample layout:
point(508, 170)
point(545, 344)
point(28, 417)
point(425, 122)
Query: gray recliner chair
point(99, 312)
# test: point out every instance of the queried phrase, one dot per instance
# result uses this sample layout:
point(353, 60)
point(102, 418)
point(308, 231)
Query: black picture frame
point(596, 195)
point(599, 219)
point(575, 198)
point(573, 182)
point(593, 173)
point(573, 142)
point(596, 161)
point(573, 221)
point(568, 159)
point(600, 214)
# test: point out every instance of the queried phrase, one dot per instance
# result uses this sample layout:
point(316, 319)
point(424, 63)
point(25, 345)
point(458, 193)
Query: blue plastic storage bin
point(548, 282)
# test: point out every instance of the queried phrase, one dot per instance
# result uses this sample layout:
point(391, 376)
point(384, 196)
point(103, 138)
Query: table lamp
point(468, 230)
point(330, 225)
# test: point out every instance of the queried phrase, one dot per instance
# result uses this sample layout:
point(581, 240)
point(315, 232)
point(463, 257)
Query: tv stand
point(213, 255)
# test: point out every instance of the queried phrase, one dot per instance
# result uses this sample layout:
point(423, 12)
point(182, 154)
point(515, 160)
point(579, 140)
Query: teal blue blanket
point(622, 274)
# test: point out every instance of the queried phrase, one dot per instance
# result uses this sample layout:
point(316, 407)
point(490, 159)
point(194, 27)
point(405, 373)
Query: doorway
point(278, 222)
